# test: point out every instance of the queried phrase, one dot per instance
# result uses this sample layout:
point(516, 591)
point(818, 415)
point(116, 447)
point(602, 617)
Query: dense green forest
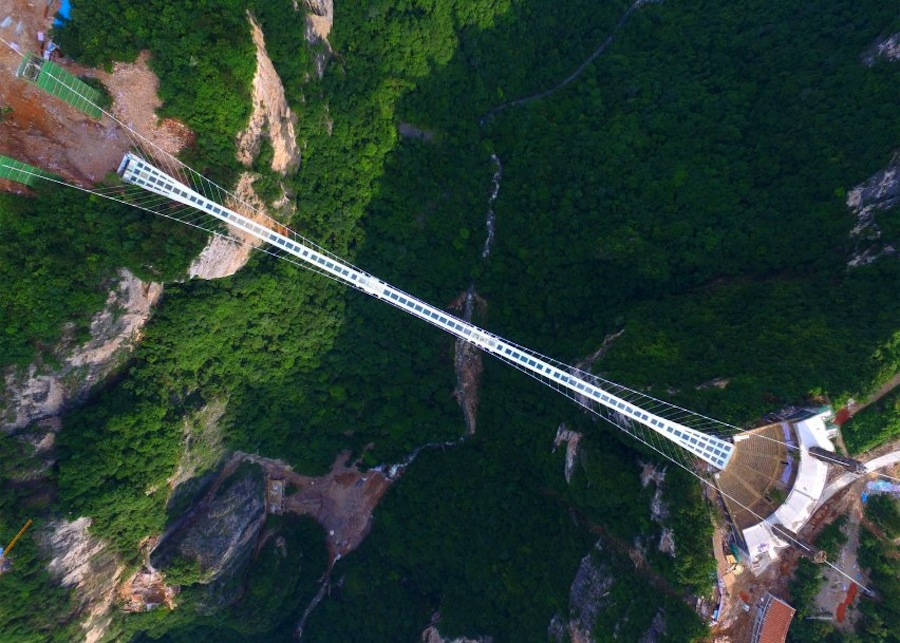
point(59, 252)
point(691, 192)
point(874, 425)
point(28, 584)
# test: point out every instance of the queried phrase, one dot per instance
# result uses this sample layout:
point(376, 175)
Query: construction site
point(47, 125)
point(791, 476)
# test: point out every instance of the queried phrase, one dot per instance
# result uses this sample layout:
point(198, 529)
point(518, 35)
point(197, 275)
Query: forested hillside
point(688, 187)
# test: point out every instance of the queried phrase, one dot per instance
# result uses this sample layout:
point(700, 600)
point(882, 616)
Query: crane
point(5, 552)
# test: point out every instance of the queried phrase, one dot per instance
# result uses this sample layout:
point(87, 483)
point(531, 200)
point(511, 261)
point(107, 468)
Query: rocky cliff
point(878, 193)
point(271, 115)
point(213, 542)
point(43, 390)
point(273, 119)
point(87, 564)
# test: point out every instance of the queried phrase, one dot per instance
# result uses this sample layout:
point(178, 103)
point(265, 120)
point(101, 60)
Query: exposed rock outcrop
point(222, 257)
point(571, 438)
point(667, 542)
point(657, 628)
point(273, 119)
point(319, 21)
point(716, 382)
point(271, 115)
point(408, 130)
point(431, 635)
point(881, 191)
point(218, 535)
point(41, 391)
point(87, 564)
point(659, 512)
point(216, 538)
point(145, 590)
point(467, 362)
point(586, 597)
point(887, 49)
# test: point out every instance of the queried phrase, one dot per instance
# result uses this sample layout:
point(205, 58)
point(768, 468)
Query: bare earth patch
point(342, 500)
point(46, 132)
point(135, 101)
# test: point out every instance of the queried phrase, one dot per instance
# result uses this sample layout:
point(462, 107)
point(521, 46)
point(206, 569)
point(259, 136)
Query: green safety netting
point(22, 172)
point(56, 81)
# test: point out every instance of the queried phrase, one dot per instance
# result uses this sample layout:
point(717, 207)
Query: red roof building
point(772, 621)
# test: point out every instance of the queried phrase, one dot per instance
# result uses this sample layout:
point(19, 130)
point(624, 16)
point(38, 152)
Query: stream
point(467, 358)
point(490, 221)
point(465, 354)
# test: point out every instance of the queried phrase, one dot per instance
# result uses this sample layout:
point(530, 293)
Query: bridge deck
point(711, 449)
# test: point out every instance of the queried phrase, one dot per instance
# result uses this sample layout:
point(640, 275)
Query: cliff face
point(881, 191)
point(432, 635)
point(222, 257)
point(41, 391)
point(319, 21)
point(887, 49)
point(586, 597)
point(878, 193)
point(215, 539)
point(85, 563)
point(272, 119)
point(271, 115)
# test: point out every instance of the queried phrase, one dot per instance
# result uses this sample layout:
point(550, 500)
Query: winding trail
point(575, 74)
point(885, 389)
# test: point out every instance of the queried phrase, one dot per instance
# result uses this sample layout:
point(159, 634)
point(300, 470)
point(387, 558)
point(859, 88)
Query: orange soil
point(342, 500)
point(46, 132)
